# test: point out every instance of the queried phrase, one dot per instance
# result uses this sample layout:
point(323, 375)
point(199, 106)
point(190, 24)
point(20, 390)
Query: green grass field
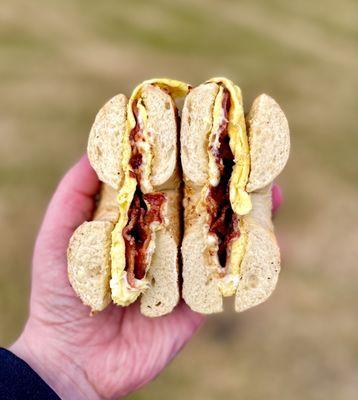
point(60, 61)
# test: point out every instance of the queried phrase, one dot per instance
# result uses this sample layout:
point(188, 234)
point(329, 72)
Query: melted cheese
point(240, 200)
point(122, 293)
point(214, 138)
point(229, 283)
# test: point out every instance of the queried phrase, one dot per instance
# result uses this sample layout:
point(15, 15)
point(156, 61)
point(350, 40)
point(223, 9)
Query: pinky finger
point(277, 197)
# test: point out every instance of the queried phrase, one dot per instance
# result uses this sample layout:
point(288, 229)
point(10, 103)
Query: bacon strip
point(136, 157)
point(223, 223)
point(137, 234)
point(156, 201)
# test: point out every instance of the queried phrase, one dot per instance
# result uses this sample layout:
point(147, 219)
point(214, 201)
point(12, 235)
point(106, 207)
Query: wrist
point(54, 366)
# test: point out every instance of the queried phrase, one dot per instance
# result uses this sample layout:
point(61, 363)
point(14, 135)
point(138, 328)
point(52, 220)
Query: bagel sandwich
point(130, 248)
point(229, 163)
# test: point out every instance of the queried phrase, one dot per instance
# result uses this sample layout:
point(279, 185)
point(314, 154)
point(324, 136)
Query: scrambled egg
point(239, 198)
point(122, 293)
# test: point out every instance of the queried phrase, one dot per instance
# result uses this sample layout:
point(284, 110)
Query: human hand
point(112, 353)
point(81, 357)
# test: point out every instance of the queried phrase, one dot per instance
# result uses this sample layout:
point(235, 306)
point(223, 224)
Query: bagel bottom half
point(259, 268)
point(89, 260)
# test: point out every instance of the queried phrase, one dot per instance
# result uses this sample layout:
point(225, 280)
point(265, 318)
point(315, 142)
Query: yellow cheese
point(122, 293)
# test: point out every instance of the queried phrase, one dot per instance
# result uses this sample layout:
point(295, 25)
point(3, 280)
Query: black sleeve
point(19, 382)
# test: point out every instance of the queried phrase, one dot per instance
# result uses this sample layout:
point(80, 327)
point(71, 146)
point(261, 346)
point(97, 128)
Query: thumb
point(71, 204)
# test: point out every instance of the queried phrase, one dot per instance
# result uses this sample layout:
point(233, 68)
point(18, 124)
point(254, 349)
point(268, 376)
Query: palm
point(118, 349)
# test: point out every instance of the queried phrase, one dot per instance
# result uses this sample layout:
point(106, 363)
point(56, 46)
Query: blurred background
point(61, 60)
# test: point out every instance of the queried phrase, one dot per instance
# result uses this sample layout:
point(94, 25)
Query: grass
point(62, 60)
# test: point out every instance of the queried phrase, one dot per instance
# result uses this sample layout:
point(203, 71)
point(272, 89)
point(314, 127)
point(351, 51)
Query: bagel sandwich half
point(130, 249)
point(229, 162)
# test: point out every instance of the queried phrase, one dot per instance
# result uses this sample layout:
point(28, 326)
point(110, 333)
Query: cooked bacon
point(155, 201)
point(223, 223)
point(143, 211)
point(136, 161)
point(137, 234)
point(129, 239)
point(136, 157)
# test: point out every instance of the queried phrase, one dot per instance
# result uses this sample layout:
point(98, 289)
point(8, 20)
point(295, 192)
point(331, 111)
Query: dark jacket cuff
point(19, 381)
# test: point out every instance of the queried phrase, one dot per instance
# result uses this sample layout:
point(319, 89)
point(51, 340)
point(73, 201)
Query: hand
point(101, 357)
point(81, 357)
point(277, 198)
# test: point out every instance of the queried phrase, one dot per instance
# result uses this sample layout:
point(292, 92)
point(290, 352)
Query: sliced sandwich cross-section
point(229, 160)
point(226, 250)
point(133, 148)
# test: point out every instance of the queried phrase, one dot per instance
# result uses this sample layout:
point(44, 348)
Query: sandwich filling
point(145, 214)
point(141, 209)
point(226, 197)
point(223, 223)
